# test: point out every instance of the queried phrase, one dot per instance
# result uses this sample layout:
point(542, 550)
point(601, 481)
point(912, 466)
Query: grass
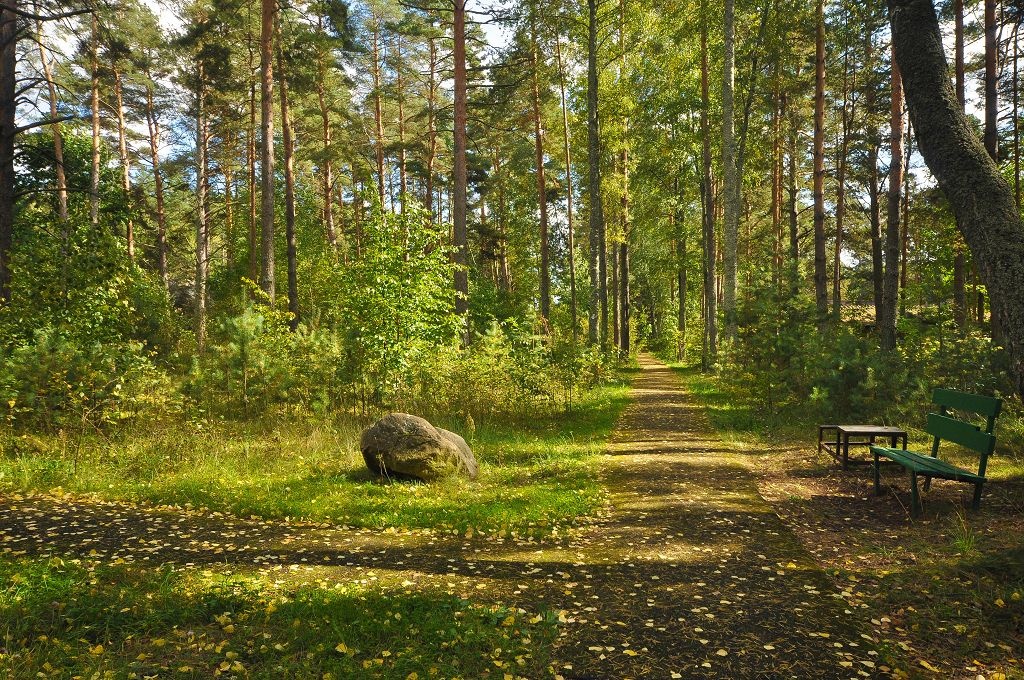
point(946, 592)
point(82, 619)
point(534, 476)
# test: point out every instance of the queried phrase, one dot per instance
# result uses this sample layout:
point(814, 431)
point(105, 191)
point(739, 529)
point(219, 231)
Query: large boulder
point(402, 445)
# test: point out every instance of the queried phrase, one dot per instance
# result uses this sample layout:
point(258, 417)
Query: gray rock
point(403, 445)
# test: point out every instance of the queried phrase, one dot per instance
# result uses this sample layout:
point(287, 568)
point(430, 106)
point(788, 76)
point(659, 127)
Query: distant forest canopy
point(341, 197)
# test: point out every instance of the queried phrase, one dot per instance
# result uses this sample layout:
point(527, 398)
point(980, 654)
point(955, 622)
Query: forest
point(633, 254)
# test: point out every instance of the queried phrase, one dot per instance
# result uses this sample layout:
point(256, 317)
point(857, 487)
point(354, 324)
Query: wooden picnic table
point(864, 435)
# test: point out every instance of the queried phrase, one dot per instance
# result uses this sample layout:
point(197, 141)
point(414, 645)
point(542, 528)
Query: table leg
point(846, 450)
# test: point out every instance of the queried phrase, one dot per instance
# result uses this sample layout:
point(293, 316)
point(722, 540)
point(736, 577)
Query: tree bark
point(328, 163)
point(431, 123)
point(818, 183)
point(981, 198)
point(959, 259)
point(269, 13)
point(250, 153)
point(122, 148)
point(891, 278)
point(202, 214)
point(594, 180)
point(289, 187)
point(710, 355)
point(8, 125)
point(542, 201)
point(153, 126)
point(844, 148)
point(378, 113)
point(94, 107)
point(568, 191)
point(58, 136)
point(459, 189)
point(731, 189)
point(991, 81)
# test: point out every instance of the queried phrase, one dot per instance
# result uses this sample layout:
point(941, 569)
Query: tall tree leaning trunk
point(289, 186)
point(459, 190)
point(542, 201)
point(891, 278)
point(981, 198)
point(818, 183)
point(269, 13)
point(568, 190)
point(94, 107)
point(959, 258)
point(731, 189)
point(594, 178)
point(8, 130)
point(126, 169)
point(710, 355)
point(58, 136)
point(153, 127)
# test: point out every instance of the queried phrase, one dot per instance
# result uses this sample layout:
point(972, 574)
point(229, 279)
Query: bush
point(56, 380)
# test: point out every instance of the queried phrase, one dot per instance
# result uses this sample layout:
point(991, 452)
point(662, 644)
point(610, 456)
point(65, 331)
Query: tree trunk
point(158, 185)
point(431, 124)
point(708, 205)
point(328, 163)
point(94, 105)
point(594, 179)
point(568, 191)
point(624, 311)
point(403, 183)
point(844, 148)
point(991, 81)
point(874, 208)
point(228, 171)
point(267, 165)
point(250, 153)
point(202, 215)
point(731, 190)
point(8, 125)
point(820, 267)
point(959, 259)
point(378, 114)
point(891, 278)
point(981, 198)
point(776, 206)
point(542, 201)
point(793, 192)
point(289, 187)
point(122, 148)
point(459, 197)
point(58, 138)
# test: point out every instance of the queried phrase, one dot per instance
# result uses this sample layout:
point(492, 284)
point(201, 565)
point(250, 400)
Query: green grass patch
point(81, 619)
point(533, 475)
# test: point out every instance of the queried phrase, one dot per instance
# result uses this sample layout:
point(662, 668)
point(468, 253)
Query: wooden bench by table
point(864, 435)
point(942, 427)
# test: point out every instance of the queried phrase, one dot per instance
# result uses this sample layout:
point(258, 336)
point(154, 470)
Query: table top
point(866, 430)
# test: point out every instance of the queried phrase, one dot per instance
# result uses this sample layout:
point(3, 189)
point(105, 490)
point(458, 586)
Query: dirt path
point(689, 574)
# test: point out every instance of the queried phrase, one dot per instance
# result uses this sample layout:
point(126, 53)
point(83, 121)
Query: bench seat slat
point(927, 465)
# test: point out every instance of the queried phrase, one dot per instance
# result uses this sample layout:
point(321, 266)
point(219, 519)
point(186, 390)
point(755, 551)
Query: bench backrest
point(942, 426)
point(989, 407)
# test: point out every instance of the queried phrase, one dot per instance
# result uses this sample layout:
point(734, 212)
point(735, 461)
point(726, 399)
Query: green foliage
point(56, 380)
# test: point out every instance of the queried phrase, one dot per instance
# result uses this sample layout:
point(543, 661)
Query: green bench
point(944, 427)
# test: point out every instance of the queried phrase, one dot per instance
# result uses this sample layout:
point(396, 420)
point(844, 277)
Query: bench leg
point(915, 498)
point(977, 496)
point(878, 481)
point(927, 482)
